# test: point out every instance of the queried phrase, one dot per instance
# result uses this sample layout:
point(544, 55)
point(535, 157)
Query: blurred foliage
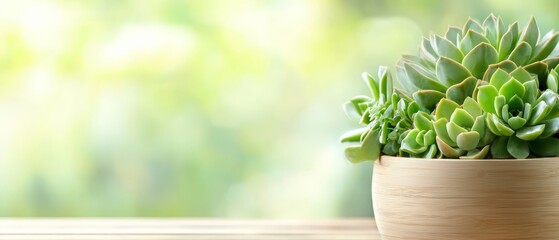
point(198, 108)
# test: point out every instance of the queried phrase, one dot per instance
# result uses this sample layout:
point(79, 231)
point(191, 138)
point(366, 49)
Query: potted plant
point(466, 137)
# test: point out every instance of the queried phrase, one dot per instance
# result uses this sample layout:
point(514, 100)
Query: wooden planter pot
point(446, 199)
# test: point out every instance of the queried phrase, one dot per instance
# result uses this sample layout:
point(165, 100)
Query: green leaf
point(527, 111)
point(462, 118)
point(546, 147)
point(445, 109)
point(453, 34)
point(499, 148)
point(504, 111)
point(511, 88)
point(403, 78)
point(391, 148)
point(445, 48)
point(451, 72)
point(545, 47)
point(383, 138)
point(503, 130)
point(385, 86)
point(516, 103)
point(368, 151)
point(372, 84)
point(454, 130)
point(440, 130)
point(476, 154)
point(410, 145)
point(412, 109)
point(552, 83)
point(500, 104)
point(506, 44)
point(486, 98)
point(422, 121)
point(480, 58)
point(420, 137)
point(422, 81)
point(429, 138)
point(531, 92)
point(491, 29)
point(459, 92)
point(426, 51)
point(551, 127)
point(479, 125)
point(352, 108)
point(431, 152)
point(538, 113)
point(530, 133)
point(549, 97)
point(531, 33)
point(353, 135)
point(499, 78)
point(472, 107)
point(521, 74)
point(428, 98)
point(471, 40)
point(539, 68)
point(506, 65)
point(472, 25)
point(447, 150)
point(468, 140)
point(516, 123)
point(521, 53)
point(518, 148)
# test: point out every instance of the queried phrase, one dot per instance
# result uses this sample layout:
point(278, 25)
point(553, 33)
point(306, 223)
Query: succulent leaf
point(545, 147)
point(518, 148)
point(479, 59)
point(451, 72)
point(521, 53)
point(486, 98)
point(459, 92)
point(499, 148)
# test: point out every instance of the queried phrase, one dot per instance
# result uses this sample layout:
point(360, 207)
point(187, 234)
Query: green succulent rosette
point(523, 117)
point(450, 66)
point(461, 129)
point(386, 115)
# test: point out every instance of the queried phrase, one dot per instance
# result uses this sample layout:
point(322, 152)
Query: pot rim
point(386, 157)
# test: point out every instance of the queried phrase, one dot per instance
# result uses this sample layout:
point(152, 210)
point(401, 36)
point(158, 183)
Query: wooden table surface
point(121, 228)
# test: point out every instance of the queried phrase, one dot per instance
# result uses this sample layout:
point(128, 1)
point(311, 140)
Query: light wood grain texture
point(195, 229)
point(466, 199)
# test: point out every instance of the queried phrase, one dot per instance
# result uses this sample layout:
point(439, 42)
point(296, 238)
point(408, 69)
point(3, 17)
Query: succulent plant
point(420, 141)
point(386, 115)
point(482, 91)
point(461, 130)
point(518, 113)
point(451, 65)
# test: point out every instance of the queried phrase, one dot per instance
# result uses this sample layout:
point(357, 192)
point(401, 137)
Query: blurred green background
point(199, 108)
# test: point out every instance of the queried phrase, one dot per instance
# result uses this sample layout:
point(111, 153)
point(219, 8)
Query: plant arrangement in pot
point(465, 134)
